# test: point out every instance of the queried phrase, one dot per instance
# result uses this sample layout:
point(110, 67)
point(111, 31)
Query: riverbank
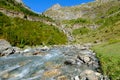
point(109, 55)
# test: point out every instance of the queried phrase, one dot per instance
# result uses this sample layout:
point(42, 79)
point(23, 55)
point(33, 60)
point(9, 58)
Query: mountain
point(90, 10)
point(96, 21)
point(76, 22)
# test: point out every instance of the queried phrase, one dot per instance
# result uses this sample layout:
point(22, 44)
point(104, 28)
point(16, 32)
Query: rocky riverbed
point(68, 62)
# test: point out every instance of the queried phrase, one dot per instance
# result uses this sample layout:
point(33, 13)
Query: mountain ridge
point(80, 11)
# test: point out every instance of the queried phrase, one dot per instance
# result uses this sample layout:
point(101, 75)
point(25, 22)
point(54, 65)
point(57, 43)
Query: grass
point(109, 29)
point(82, 30)
point(109, 56)
point(81, 21)
point(13, 5)
point(21, 32)
point(107, 22)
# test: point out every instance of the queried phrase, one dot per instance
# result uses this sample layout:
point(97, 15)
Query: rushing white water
point(48, 65)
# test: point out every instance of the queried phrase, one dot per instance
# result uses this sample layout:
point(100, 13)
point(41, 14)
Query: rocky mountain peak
point(89, 10)
point(56, 7)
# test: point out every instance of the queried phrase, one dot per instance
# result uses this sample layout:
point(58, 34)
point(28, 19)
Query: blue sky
point(40, 6)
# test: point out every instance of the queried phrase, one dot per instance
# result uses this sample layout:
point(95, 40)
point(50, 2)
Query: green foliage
point(108, 21)
point(109, 55)
point(77, 21)
point(109, 29)
point(112, 41)
point(12, 5)
point(81, 31)
point(114, 9)
point(22, 32)
point(4, 21)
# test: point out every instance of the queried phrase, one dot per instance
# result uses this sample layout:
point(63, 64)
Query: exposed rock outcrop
point(19, 1)
point(5, 48)
point(55, 7)
point(21, 15)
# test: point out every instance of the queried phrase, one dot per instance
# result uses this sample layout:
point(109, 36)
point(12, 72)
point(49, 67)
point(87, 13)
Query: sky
point(40, 6)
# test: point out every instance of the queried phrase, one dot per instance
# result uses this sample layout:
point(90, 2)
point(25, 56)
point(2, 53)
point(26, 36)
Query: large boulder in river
point(5, 48)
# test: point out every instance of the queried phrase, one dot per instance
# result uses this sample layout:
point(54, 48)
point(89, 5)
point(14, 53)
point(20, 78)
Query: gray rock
point(4, 45)
point(19, 1)
point(17, 50)
point(70, 62)
point(27, 50)
point(84, 48)
point(88, 45)
point(77, 78)
point(86, 59)
point(56, 7)
point(45, 48)
point(5, 48)
point(90, 75)
point(8, 51)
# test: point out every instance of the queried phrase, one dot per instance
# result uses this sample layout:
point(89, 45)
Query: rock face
point(4, 44)
point(20, 15)
point(19, 1)
point(12, 13)
point(5, 47)
point(56, 7)
point(69, 62)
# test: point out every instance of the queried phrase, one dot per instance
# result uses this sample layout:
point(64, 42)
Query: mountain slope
point(17, 7)
point(90, 10)
point(91, 22)
point(30, 29)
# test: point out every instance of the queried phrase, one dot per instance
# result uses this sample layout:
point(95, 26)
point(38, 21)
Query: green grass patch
point(23, 32)
point(109, 29)
point(81, 31)
point(109, 56)
point(106, 22)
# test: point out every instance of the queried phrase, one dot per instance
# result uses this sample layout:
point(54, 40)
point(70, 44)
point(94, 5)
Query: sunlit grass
point(109, 56)
point(22, 32)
